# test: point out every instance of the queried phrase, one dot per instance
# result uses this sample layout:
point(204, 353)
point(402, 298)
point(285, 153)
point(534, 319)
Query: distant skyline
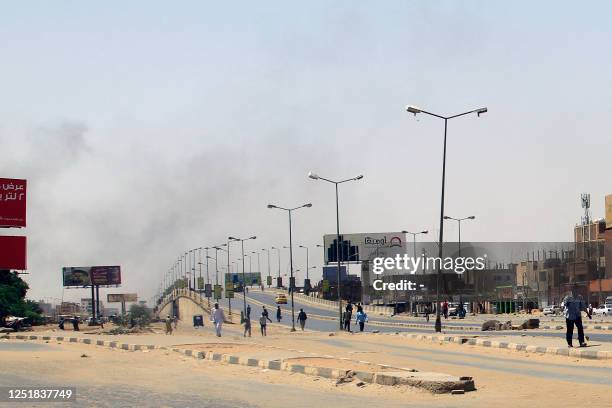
point(148, 128)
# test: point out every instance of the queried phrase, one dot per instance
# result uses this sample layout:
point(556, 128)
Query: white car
point(605, 310)
point(551, 310)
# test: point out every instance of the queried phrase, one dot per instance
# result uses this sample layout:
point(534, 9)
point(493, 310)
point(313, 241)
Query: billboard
point(12, 202)
point(105, 275)
point(121, 297)
point(88, 275)
point(357, 247)
point(13, 253)
point(76, 276)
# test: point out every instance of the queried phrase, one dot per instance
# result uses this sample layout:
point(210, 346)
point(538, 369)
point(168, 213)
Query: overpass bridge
point(185, 303)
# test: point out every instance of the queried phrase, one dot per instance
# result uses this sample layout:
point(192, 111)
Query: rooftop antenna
point(585, 199)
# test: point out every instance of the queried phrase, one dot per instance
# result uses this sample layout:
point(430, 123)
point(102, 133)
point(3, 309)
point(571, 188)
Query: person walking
point(75, 323)
point(572, 308)
point(265, 314)
point(247, 326)
point(175, 322)
point(279, 316)
point(445, 309)
point(347, 319)
point(218, 317)
point(168, 324)
point(301, 317)
point(361, 318)
point(61, 323)
point(427, 312)
point(263, 320)
point(248, 314)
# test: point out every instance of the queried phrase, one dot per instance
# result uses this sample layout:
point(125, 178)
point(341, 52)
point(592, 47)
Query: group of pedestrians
point(265, 318)
point(361, 317)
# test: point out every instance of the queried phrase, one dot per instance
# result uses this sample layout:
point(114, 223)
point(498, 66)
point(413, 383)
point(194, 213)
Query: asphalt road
point(267, 297)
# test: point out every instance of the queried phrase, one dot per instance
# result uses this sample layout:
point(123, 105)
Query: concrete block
point(274, 365)
point(73, 339)
point(33, 337)
point(365, 376)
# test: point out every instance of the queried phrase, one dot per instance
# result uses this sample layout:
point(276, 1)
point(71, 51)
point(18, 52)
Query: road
point(267, 297)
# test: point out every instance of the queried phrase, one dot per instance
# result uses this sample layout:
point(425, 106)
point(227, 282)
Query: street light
point(471, 217)
point(291, 279)
point(305, 247)
point(268, 251)
point(317, 177)
point(414, 110)
point(258, 264)
point(414, 234)
point(279, 269)
point(243, 276)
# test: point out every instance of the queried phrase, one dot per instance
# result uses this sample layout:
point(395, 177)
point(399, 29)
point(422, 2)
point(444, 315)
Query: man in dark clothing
point(75, 323)
point(265, 314)
point(279, 316)
point(301, 317)
point(248, 315)
point(347, 319)
point(572, 309)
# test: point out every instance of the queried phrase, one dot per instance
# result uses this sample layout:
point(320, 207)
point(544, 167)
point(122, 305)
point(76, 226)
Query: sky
point(148, 128)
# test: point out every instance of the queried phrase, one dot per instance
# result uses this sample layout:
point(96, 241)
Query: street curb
point(400, 376)
point(561, 351)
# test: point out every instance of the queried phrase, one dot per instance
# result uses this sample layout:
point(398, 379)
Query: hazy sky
point(147, 128)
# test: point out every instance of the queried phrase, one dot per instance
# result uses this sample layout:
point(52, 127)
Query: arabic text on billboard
point(12, 202)
point(106, 275)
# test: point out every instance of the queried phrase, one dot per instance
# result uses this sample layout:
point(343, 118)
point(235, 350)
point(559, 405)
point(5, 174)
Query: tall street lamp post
point(471, 217)
point(336, 183)
point(243, 275)
point(268, 253)
point(291, 279)
point(414, 110)
point(279, 254)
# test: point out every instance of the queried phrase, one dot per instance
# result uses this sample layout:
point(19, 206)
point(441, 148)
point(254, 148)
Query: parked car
point(551, 310)
point(604, 310)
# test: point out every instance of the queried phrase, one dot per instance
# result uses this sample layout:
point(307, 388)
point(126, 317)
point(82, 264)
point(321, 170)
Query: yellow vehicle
point(281, 298)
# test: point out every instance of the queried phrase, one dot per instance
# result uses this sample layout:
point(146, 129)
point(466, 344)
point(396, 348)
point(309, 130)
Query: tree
point(13, 290)
point(140, 315)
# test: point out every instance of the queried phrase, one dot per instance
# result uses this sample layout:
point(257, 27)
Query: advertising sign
point(76, 276)
point(200, 283)
point(229, 291)
point(121, 297)
point(269, 280)
point(88, 275)
point(12, 202)
point(357, 247)
point(218, 291)
point(208, 290)
point(106, 275)
point(13, 253)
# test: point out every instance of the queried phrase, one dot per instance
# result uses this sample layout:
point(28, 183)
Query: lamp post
point(243, 276)
point(414, 234)
point(258, 264)
point(414, 110)
point(471, 217)
point(305, 247)
point(336, 183)
point(279, 254)
point(268, 252)
point(291, 280)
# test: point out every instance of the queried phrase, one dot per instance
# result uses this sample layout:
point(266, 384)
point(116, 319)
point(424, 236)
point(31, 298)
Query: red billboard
point(13, 253)
point(12, 202)
point(106, 275)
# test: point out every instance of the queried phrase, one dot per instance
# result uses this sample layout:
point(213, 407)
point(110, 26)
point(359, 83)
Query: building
point(86, 305)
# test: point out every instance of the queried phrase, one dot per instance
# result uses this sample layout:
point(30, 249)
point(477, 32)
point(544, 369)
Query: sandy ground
point(503, 378)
